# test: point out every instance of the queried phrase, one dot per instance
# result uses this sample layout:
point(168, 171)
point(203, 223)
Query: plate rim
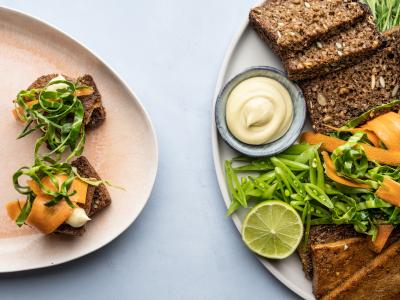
point(217, 162)
point(8, 10)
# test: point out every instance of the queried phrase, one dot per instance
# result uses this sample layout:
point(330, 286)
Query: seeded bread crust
point(294, 24)
point(97, 198)
point(340, 96)
point(95, 113)
point(336, 52)
point(101, 197)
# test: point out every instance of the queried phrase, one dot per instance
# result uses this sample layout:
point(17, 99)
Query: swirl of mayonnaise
point(259, 110)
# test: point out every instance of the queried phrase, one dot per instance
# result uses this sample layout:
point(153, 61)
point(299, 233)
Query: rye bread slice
point(295, 24)
point(97, 198)
point(348, 47)
point(338, 97)
point(95, 113)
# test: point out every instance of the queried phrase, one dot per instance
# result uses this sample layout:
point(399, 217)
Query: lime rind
point(272, 229)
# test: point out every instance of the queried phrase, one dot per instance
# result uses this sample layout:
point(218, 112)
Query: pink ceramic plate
point(123, 150)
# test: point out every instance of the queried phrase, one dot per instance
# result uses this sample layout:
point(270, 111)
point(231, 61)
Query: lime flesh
point(272, 229)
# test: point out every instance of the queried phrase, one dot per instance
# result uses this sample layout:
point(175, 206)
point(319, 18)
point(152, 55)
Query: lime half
point(272, 229)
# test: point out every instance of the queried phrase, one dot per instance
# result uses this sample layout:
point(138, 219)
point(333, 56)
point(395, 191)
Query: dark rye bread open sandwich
point(97, 198)
point(95, 113)
point(88, 197)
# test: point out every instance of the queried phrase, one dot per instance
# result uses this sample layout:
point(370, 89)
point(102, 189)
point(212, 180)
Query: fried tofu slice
point(322, 234)
point(335, 262)
point(379, 279)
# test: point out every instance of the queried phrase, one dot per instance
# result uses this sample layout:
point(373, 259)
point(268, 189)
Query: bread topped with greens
point(61, 190)
point(95, 113)
point(97, 197)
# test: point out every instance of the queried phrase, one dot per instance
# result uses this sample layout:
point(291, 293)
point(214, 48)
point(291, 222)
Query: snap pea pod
point(250, 190)
point(302, 157)
point(234, 186)
point(291, 157)
point(318, 194)
point(307, 224)
point(297, 197)
point(298, 203)
point(330, 190)
point(268, 194)
point(297, 206)
point(306, 155)
point(233, 207)
point(313, 171)
point(294, 165)
point(302, 175)
point(297, 149)
point(320, 170)
point(305, 213)
point(281, 187)
point(253, 193)
point(291, 178)
point(320, 211)
point(284, 179)
point(261, 185)
point(242, 159)
point(269, 176)
point(256, 165)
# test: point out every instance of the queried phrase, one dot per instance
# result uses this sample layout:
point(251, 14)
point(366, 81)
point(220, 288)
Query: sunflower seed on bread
point(334, 53)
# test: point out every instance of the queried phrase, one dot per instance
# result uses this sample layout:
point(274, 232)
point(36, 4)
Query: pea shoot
point(385, 12)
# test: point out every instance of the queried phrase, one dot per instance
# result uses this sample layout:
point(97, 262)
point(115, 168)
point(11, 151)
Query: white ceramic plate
point(123, 149)
point(248, 50)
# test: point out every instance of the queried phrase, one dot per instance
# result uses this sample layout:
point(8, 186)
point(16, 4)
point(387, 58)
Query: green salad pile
point(298, 177)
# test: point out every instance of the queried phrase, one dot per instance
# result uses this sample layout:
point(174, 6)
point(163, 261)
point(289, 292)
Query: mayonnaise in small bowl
point(260, 112)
